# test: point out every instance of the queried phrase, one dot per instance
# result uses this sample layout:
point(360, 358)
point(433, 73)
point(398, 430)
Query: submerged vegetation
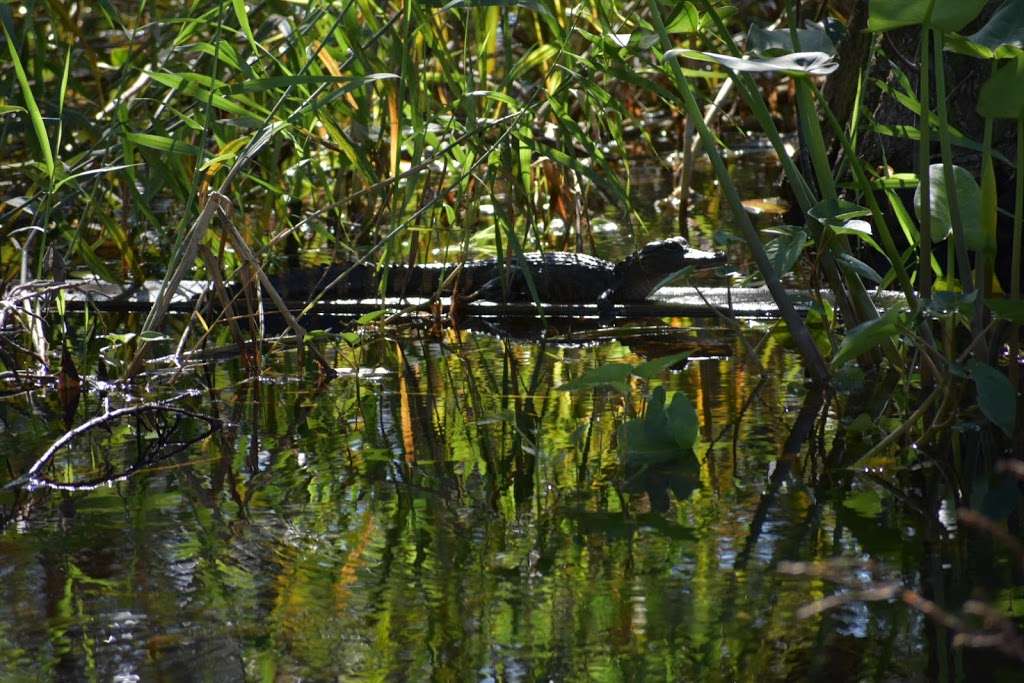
point(519, 482)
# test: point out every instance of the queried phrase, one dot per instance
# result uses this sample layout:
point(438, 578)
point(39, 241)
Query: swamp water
point(442, 510)
point(445, 511)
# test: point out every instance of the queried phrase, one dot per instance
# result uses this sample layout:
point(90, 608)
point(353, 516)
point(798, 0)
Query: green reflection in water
point(445, 514)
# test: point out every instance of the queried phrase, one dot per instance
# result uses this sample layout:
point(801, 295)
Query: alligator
point(557, 277)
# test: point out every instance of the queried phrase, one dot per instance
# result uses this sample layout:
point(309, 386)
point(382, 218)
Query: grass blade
point(30, 103)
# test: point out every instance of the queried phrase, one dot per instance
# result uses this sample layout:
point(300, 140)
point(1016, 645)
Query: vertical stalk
point(686, 178)
point(861, 303)
point(924, 265)
point(989, 208)
point(1018, 221)
point(959, 243)
point(814, 140)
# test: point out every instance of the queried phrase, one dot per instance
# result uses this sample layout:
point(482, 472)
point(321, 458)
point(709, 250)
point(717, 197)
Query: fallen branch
point(32, 478)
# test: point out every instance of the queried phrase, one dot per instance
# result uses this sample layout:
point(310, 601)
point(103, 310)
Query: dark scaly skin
point(558, 276)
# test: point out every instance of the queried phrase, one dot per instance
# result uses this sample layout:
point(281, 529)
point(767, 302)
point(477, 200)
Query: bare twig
point(32, 477)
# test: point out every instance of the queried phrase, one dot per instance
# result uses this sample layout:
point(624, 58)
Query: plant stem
point(959, 244)
point(924, 267)
point(989, 209)
point(1018, 221)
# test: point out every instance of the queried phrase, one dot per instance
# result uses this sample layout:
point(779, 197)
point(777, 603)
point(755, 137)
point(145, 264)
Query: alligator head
point(638, 275)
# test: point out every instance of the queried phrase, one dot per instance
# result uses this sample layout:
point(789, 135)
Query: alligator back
point(557, 276)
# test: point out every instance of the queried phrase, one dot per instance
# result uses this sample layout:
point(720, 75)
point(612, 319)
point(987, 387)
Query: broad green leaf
point(661, 436)
point(653, 368)
point(793, 64)
point(896, 181)
point(868, 335)
point(367, 318)
point(945, 302)
point(1000, 38)
point(120, 337)
point(641, 444)
point(610, 374)
point(841, 211)
point(996, 396)
point(855, 265)
point(859, 229)
point(865, 503)
point(784, 250)
point(946, 15)
point(969, 195)
point(682, 421)
point(686, 20)
point(779, 41)
point(1002, 96)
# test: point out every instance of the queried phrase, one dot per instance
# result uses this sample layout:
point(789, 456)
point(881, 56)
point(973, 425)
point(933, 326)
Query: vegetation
point(219, 140)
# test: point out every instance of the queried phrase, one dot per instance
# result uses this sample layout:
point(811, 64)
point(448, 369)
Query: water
point(450, 514)
point(442, 510)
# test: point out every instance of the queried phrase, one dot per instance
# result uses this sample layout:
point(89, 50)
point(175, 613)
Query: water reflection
point(441, 510)
point(454, 517)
